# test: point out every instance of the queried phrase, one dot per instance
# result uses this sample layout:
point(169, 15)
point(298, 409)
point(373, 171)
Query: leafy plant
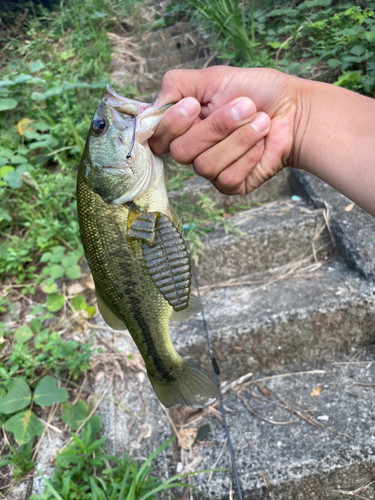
point(322, 39)
point(32, 348)
point(83, 470)
point(20, 460)
point(24, 425)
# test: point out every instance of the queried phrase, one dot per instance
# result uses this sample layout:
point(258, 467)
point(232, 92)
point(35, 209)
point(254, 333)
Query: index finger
point(202, 84)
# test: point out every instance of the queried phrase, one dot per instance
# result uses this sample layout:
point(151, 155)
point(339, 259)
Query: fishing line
point(215, 369)
point(133, 139)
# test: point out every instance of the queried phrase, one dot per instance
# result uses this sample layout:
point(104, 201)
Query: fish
point(134, 245)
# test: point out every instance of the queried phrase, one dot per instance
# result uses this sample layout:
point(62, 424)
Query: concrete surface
point(354, 230)
point(261, 239)
point(271, 324)
point(274, 189)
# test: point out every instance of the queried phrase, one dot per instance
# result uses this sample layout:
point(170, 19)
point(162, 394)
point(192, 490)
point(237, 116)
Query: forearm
point(335, 139)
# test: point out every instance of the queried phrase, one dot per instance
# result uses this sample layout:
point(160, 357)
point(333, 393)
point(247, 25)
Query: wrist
point(303, 93)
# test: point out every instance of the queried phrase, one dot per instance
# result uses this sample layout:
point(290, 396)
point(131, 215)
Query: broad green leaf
point(36, 66)
point(6, 83)
point(79, 303)
point(56, 272)
point(18, 160)
point(90, 310)
point(41, 126)
point(358, 50)
point(46, 393)
point(24, 425)
point(73, 272)
point(19, 396)
point(14, 179)
point(333, 63)
point(23, 334)
point(36, 325)
point(5, 215)
point(370, 36)
point(67, 54)
point(22, 78)
point(55, 302)
point(37, 96)
point(50, 288)
point(4, 171)
point(70, 260)
point(46, 257)
point(7, 104)
point(73, 416)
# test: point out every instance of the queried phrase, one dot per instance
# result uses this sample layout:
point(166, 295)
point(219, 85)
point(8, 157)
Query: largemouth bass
point(134, 245)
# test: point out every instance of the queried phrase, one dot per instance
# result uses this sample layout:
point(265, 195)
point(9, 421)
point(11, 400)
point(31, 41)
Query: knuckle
point(253, 155)
point(169, 77)
point(242, 136)
point(204, 167)
point(229, 181)
point(179, 151)
point(219, 126)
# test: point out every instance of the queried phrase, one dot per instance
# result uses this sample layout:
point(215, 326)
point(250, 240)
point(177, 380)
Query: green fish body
point(134, 246)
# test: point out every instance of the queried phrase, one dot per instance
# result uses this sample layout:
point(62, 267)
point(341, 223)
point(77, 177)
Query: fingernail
point(156, 103)
point(242, 110)
point(188, 107)
point(261, 122)
point(261, 142)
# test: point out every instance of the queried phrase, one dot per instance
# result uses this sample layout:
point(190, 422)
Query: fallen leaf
point(99, 377)
point(23, 125)
point(349, 207)
point(264, 390)
point(315, 391)
point(75, 288)
point(90, 283)
point(187, 437)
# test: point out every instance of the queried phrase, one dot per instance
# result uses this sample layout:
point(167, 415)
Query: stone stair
point(152, 54)
point(289, 297)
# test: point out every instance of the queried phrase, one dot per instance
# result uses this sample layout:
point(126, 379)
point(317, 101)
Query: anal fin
point(109, 317)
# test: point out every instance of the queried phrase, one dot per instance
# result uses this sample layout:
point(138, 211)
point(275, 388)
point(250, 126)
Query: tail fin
point(192, 388)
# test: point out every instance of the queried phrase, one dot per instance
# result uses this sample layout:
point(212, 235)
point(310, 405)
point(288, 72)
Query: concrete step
point(290, 445)
point(171, 44)
point(287, 443)
point(261, 239)
point(162, 63)
point(162, 34)
point(276, 188)
point(352, 228)
point(286, 317)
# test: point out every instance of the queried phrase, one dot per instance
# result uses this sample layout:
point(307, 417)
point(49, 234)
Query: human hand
point(235, 125)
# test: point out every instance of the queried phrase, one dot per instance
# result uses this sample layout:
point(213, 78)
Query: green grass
point(319, 39)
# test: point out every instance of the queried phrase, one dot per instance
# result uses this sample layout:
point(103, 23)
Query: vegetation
point(83, 471)
point(320, 39)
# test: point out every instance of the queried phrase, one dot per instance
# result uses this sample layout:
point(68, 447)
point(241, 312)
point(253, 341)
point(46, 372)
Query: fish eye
point(99, 125)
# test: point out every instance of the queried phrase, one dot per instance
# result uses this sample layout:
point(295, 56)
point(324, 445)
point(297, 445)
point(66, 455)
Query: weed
point(20, 460)
point(84, 470)
point(319, 39)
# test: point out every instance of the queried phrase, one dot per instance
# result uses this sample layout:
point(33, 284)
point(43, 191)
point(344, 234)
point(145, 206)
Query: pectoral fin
point(176, 219)
point(109, 317)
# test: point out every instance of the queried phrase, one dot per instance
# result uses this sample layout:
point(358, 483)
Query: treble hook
point(129, 155)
